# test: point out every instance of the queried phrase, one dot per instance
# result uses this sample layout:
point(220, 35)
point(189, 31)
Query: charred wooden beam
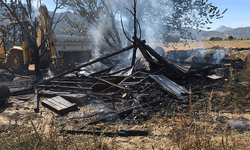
point(112, 83)
point(172, 68)
point(64, 87)
point(124, 133)
point(28, 90)
point(134, 56)
point(145, 54)
point(65, 82)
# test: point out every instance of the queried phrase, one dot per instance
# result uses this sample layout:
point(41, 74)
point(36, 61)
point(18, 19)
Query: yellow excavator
point(15, 50)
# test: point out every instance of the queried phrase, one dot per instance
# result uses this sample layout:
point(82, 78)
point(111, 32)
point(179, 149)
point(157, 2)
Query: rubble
point(96, 93)
point(153, 83)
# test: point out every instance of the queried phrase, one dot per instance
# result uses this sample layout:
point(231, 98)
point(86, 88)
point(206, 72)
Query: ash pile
point(115, 91)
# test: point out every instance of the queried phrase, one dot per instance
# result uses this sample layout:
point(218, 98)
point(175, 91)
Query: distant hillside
point(242, 32)
point(239, 32)
point(205, 35)
point(223, 29)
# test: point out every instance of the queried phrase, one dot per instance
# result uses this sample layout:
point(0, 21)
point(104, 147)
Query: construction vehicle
point(16, 53)
point(15, 49)
point(74, 49)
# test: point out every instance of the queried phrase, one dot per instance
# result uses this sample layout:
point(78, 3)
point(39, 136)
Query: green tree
point(216, 39)
point(230, 37)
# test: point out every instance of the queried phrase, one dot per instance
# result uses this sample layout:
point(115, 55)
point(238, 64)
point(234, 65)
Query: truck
point(73, 48)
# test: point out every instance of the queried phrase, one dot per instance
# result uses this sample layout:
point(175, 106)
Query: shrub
point(216, 39)
point(230, 37)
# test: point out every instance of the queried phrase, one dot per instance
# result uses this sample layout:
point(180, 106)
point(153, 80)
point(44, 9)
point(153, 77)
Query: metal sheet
point(170, 86)
point(93, 68)
point(214, 77)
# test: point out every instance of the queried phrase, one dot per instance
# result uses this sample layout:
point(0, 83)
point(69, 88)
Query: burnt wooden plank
point(59, 105)
point(51, 104)
point(62, 101)
point(78, 98)
point(59, 87)
point(56, 103)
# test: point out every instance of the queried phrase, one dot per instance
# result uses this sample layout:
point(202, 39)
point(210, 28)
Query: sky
point(237, 15)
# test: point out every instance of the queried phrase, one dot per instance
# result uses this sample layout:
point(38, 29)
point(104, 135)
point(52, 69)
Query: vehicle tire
point(15, 61)
point(69, 58)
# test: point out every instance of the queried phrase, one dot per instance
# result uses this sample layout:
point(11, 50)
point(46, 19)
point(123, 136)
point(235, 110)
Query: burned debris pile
point(151, 86)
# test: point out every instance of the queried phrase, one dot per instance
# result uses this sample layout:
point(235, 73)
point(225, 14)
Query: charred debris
point(153, 82)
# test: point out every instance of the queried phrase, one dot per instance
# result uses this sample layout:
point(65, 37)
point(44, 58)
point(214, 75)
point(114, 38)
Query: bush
point(216, 39)
point(230, 37)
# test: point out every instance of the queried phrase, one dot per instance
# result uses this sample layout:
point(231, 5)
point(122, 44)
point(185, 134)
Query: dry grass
point(45, 135)
point(205, 44)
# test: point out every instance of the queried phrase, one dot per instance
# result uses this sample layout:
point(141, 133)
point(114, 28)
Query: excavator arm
point(45, 36)
point(2, 51)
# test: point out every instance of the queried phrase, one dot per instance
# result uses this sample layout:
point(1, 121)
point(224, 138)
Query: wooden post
point(36, 100)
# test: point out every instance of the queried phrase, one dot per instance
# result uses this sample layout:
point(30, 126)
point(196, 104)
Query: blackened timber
point(64, 82)
point(124, 133)
point(64, 87)
point(88, 63)
point(112, 83)
point(134, 56)
point(172, 68)
point(135, 34)
point(124, 113)
point(145, 54)
point(28, 90)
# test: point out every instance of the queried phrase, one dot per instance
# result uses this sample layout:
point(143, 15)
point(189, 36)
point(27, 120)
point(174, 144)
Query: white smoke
point(97, 33)
point(152, 24)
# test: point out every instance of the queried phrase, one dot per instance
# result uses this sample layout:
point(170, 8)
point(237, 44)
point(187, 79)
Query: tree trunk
point(38, 72)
